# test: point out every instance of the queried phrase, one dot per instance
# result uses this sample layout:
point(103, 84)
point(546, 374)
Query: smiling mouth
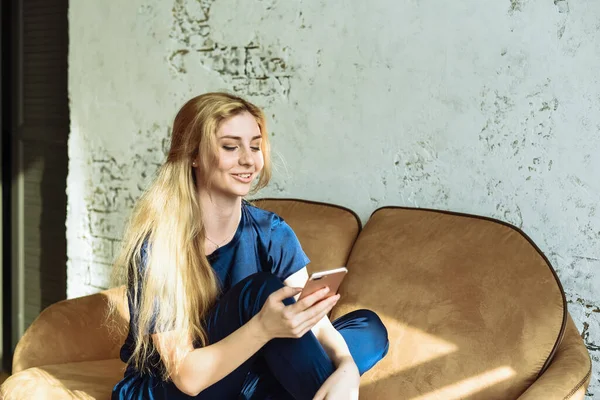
point(244, 176)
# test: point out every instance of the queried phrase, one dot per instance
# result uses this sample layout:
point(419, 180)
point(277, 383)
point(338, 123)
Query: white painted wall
point(490, 108)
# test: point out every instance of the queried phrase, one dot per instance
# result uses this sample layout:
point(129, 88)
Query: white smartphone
point(331, 278)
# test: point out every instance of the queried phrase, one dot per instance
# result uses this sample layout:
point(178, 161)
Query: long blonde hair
point(178, 280)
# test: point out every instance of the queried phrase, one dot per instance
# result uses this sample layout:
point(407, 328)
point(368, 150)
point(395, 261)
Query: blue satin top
point(263, 241)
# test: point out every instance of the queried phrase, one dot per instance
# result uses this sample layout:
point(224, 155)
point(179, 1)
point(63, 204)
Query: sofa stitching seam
point(354, 214)
point(580, 384)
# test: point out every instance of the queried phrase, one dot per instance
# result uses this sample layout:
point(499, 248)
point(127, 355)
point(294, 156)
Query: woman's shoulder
point(275, 233)
point(265, 219)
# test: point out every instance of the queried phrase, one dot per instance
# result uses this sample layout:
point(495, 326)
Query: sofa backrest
point(326, 232)
point(473, 308)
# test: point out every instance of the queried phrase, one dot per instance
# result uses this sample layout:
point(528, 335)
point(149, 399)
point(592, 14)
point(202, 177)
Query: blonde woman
point(212, 280)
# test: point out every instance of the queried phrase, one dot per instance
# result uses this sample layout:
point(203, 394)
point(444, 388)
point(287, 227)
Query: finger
point(284, 293)
point(308, 325)
point(320, 395)
point(326, 304)
point(311, 299)
point(312, 318)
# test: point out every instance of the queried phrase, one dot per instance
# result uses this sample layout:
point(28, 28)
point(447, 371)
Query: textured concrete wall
point(489, 108)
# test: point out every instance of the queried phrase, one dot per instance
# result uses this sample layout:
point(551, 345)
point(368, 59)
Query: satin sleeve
point(285, 254)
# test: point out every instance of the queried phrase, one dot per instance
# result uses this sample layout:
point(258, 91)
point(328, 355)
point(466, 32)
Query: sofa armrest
point(74, 330)
point(35, 383)
point(568, 375)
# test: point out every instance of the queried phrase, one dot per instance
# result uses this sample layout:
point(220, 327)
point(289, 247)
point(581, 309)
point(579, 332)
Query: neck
point(220, 215)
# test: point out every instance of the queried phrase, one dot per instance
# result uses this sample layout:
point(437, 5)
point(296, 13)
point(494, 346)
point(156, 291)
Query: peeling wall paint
point(249, 68)
point(489, 109)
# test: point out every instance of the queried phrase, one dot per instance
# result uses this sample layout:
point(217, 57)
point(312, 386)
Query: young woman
point(212, 280)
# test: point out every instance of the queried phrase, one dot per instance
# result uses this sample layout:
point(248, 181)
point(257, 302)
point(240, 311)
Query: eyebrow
point(238, 137)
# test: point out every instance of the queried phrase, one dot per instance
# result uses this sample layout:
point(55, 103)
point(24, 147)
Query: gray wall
point(488, 108)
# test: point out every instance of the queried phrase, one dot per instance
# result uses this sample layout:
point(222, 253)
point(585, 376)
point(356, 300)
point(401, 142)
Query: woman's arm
point(345, 381)
point(332, 341)
point(202, 367)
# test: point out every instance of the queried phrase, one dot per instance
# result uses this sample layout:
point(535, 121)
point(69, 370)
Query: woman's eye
point(229, 148)
point(255, 148)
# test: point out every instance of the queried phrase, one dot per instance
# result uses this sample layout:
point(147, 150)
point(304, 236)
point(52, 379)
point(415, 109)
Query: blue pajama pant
point(286, 368)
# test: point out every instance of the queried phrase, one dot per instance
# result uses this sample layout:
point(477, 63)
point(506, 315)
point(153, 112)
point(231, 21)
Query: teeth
point(244, 175)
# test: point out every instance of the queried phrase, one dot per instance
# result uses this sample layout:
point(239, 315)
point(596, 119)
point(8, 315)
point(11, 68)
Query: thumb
point(286, 292)
point(320, 395)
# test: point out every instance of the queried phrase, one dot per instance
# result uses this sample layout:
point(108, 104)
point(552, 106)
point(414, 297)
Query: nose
point(246, 157)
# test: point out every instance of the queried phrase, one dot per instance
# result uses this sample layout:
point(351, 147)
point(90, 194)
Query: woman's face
point(239, 154)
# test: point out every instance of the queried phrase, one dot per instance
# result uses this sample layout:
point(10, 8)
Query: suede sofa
point(473, 308)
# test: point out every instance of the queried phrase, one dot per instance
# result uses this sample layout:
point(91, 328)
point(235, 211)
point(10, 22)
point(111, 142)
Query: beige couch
point(473, 308)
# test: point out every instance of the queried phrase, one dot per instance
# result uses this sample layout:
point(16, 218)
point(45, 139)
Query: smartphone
point(331, 278)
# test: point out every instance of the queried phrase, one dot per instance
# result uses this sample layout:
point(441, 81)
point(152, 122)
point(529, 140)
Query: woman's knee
point(366, 336)
point(264, 282)
point(376, 328)
point(256, 289)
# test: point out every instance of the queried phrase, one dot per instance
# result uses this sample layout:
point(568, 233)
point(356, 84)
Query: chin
point(239, 192)
point(234, 188)
point(242, 194)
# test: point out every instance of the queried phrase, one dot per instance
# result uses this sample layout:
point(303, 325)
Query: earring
point(194, 164)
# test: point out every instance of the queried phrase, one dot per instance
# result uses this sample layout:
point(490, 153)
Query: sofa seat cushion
point(473, 308)
point(79, 380)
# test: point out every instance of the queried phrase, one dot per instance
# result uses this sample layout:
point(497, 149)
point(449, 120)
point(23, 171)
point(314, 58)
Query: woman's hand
point(278, 320)
point(342, 384)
